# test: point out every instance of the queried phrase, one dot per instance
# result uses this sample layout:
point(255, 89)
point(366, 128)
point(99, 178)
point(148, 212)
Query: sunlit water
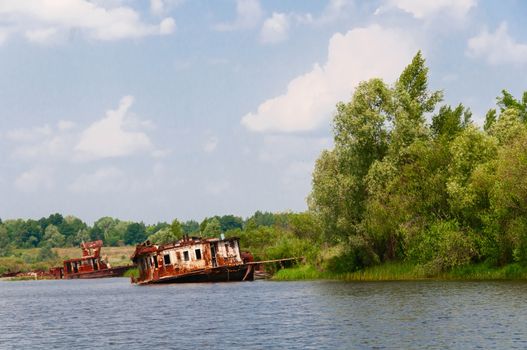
point(111, 313)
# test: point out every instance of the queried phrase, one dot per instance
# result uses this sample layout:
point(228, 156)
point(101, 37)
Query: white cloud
point(104, 180)
point(159, 7)
point(65, 125)
point(310, 99)
point(108, 137)
point(119, 133)
point(335, 10)
point(421, 9)
point(248, 15)
point(42, 35)
point(498, 47)
point(38, 178)
point(210, 144)
point(167, 26)
point(42, 142)
point(41, 21)
point(275, 29)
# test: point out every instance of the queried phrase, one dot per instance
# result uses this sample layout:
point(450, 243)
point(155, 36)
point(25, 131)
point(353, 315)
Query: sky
point(163, 109)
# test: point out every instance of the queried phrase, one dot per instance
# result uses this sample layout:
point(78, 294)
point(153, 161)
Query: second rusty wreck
point(192, 259)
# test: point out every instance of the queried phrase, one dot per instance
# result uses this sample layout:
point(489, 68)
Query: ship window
point(155, 261)
point(166, 258)
point(198, 254)
point(185, 255)
point(178, 256)
point(226, 248)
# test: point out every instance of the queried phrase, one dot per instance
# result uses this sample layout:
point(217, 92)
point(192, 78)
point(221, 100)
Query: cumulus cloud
point(275, 28)
point(109, 137)
point(423, 9)
point(248, 15)
point(35, 179)
point(117, 134)
point(50, 142)
point(310, 99)
point(498, 47)
point(41, 21)
point(159, 7)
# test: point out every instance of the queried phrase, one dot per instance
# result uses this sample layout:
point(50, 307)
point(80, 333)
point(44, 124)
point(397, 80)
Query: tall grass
point(403, 271)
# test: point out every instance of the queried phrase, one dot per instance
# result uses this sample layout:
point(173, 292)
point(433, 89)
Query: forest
point(410, 182)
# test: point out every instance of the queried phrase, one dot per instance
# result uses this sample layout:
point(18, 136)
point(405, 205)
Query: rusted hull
point(218, 274)
point(113, 272)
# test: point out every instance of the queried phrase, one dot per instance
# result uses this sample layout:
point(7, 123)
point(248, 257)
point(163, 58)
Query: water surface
point(112, 314)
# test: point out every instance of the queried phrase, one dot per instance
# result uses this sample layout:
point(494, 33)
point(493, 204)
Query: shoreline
point(406, 272)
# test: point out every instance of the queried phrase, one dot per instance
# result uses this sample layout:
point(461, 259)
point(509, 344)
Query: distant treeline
point(263, 233)
point(410, 180)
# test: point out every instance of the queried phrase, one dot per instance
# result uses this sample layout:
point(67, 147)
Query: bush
point(358, 255)
point(442, 247)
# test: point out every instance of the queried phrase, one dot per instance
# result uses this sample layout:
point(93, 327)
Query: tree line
point(412, 180)
point(259, 232)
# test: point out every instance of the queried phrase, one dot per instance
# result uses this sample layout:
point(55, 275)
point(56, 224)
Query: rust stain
point(192, 259)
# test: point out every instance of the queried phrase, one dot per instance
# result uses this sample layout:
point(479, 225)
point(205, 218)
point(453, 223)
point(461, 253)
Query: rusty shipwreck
point(192, 259)
point(90, 265)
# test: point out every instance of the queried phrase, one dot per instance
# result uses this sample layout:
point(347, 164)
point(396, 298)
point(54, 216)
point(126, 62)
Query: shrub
point(358, 255)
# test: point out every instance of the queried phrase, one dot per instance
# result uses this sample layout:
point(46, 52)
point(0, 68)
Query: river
point(112, 314)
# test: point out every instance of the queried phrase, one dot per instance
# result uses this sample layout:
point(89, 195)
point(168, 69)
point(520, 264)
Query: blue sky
point(151, 110)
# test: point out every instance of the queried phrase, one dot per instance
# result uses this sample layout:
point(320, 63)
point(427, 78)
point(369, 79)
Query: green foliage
point(358, 255)
point(176, 230)
point(212, 228)
point(190, 227)
point(441, 194)
point(45, 253)
point(53, 237)
point(164, 236)
point(133, 272)
point(135, 233)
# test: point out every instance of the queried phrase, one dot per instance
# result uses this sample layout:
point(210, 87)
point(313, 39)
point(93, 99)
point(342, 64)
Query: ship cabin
point(90, 261)
point(188, 259)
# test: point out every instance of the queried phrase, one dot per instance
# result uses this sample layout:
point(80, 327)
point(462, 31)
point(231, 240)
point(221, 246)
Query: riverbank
point(24, 260)
point(405, 272)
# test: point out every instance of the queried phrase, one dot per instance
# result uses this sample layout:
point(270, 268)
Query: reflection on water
point(111, 313)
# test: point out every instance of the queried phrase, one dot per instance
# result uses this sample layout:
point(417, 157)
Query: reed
point(404, 271)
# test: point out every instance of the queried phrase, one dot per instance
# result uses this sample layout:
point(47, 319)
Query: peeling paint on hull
point(112, 272)
point(219, 274)
point(192, 259)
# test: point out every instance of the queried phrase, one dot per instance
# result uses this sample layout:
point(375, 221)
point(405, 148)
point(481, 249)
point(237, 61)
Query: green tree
point(53, 237)
point(190, 227)
point(5, 244)
point(163, 236)
point(175, 228)
point(213, 228)
point(135, 233)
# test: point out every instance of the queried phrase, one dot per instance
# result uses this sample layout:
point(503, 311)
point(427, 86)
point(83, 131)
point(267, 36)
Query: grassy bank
point(405, 272)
